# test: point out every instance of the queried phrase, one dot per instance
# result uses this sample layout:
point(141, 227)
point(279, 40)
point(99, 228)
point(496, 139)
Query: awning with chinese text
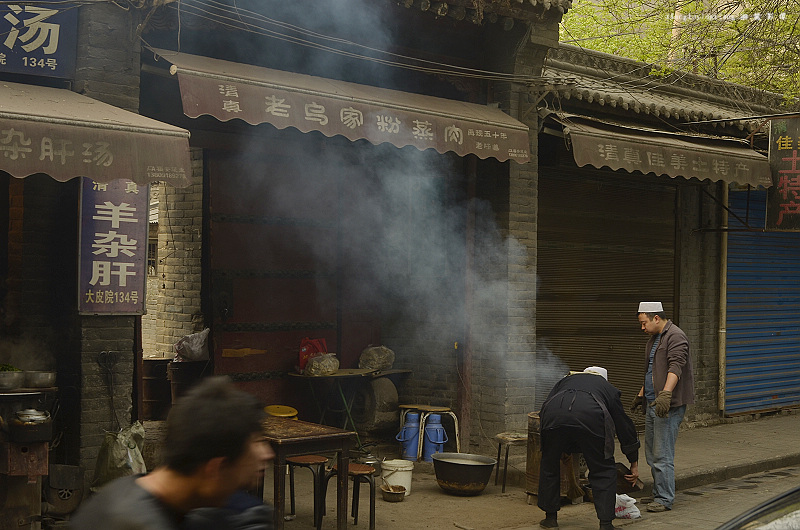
point(228, 90)
point(605, 145)
point(65, 135)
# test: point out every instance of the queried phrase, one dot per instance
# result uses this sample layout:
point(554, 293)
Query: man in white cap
point(668, 388)
point(581, 415)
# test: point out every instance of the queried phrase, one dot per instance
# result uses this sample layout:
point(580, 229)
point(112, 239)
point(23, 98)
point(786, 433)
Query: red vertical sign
point(783, 198)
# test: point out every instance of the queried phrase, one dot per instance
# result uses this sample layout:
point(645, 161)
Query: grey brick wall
point(107, 69)
point(178, 306)
point(699, 283)
point(104, 381)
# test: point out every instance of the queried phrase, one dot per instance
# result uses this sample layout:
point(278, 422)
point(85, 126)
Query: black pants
point(602, 471)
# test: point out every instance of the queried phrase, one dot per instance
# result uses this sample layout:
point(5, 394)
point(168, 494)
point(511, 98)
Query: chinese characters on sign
point(113, 247)
point(38, 40)
point(661, 160)
point(783, 198)
point(399, 125)
point(52, 151)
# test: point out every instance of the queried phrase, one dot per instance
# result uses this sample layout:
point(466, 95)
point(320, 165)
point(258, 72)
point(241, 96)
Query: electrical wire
point(249, 21)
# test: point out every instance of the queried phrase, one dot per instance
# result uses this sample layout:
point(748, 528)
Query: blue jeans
point(659, 450)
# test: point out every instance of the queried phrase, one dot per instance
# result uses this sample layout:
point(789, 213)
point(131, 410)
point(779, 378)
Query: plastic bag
point(120, 455)
point(310, 348)
point(325, 364)
point(626, 508)
point(193, 347)
point(376, 358)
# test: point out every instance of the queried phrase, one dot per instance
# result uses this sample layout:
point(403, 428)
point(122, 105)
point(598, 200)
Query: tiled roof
point(480, 11)
point(635, 87)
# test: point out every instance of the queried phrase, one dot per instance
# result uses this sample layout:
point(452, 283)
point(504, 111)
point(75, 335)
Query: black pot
point(462, 473)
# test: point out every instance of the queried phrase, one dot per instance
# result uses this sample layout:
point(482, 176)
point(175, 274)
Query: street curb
point(704, 476)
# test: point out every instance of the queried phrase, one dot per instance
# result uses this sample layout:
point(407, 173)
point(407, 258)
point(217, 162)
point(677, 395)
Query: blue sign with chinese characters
point(113, 247)
point(38, 40)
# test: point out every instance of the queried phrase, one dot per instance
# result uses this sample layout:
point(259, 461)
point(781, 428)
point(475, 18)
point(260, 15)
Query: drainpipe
point(723, 301)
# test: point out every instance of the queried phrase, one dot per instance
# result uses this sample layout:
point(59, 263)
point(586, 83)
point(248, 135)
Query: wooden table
point(295, 437)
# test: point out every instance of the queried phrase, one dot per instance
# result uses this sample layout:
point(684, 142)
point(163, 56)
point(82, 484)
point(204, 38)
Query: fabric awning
point(228, 90)
point(605, 145)
point(65, 135)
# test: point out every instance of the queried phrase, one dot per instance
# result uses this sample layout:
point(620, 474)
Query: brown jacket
point(672, 355)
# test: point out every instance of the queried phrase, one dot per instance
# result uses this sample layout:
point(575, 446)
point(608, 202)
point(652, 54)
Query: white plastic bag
point(325, 364)
point(192, 347)
point(626, 508)
point(120, 455)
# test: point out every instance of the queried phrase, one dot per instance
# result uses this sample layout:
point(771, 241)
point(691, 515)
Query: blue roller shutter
point(763, 325)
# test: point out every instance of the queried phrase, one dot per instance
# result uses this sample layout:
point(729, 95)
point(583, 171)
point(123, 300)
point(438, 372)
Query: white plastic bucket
point(397, 473)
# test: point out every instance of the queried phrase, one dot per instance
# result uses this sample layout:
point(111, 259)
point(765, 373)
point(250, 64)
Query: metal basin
point(11, 380)
point(462, 473)
point(39, 379)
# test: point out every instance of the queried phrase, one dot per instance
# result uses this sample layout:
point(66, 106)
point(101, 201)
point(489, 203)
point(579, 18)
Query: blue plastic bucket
point(409, 437)
point(435, 437)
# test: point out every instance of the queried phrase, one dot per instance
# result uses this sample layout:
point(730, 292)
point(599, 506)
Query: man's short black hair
point(213, 419)
point(662, 315)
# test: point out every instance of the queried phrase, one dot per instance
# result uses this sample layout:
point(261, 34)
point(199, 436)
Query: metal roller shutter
point(763, 325)
point(605, 244)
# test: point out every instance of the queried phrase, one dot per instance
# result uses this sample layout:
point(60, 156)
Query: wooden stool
point(507, 439)
point(316, 464)
point(359, 473)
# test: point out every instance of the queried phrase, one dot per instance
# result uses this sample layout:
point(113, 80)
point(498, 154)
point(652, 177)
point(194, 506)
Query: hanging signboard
point(783, 197)
point(113, 247)
point(38, 40)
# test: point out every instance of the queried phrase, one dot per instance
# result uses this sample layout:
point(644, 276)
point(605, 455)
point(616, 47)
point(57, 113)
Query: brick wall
point(107, 69)
point(178, 308)
point(699, 285)
point(149, 320)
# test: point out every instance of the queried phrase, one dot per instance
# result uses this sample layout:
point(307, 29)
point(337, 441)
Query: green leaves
point(750, 43)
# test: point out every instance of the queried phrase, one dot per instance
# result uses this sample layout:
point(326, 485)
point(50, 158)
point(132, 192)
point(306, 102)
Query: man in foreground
point(581, 415)
point(668, 388)
point(213, 448)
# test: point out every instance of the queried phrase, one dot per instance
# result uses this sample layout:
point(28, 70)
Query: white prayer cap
point(650, 307)
point(597, 370)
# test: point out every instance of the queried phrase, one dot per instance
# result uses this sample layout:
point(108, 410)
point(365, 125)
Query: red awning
point(228, 90)
point(65, 135)
point(605, 145)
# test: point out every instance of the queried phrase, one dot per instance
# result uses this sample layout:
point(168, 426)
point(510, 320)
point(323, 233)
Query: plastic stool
point(281, 411)
point(316, 464)
point(507, 439)
point(359, 473)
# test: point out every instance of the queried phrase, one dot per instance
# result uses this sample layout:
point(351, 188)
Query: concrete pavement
point(768, 447)
point(704, 457)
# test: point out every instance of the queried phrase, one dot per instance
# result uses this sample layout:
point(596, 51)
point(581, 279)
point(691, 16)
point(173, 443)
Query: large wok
point(462, 473)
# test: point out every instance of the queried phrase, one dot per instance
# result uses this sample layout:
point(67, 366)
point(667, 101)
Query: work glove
point(637, 404)
point(661, 403)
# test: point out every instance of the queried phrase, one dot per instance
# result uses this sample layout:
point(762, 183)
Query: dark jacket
point(672, 355)
point(124, 505)
point(592, 404)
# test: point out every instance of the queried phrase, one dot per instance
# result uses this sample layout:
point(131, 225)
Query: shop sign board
point(113, 247)
point(783, 197)
point(39, 40)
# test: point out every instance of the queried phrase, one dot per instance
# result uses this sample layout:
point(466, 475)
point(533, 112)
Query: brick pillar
point(107, 69)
